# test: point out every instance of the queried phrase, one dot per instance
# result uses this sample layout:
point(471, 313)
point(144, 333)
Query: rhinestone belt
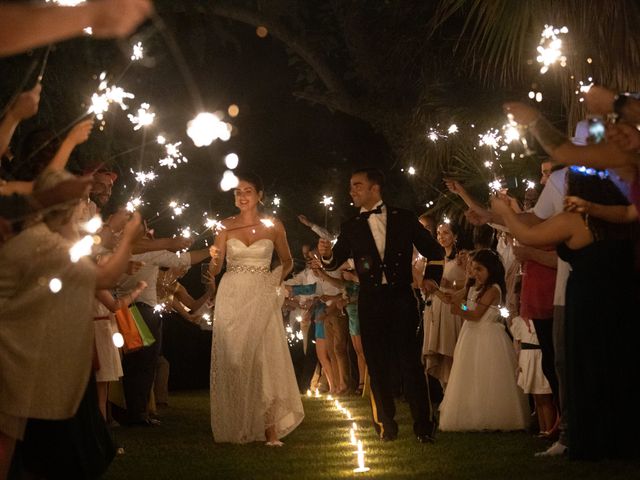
point(248, 269)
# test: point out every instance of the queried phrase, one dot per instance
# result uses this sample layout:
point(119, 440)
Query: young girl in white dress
point(482, 393)
point(530, 375)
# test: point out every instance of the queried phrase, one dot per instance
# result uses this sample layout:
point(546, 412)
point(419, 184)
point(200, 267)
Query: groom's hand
point(324, 248)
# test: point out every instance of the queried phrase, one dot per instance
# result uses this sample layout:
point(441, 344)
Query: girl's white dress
point(531, 379)
point(482, 393)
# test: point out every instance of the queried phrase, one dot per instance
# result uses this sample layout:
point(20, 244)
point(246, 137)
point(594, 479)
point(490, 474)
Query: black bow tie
point(376, 210)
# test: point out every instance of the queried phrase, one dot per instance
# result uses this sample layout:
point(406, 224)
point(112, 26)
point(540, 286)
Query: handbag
point(143, 329)
point(129, 330)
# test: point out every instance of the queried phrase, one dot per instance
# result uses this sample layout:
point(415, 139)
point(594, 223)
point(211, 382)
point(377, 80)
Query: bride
point(254, 394)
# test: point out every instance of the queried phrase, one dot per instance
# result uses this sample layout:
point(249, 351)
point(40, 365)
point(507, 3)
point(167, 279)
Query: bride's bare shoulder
point(230, 222)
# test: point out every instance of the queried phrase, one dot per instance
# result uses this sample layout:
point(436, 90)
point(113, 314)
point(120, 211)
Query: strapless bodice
point(245, 257)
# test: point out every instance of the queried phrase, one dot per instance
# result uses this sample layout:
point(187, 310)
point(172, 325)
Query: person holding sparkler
point(599, 338)
point(380, 239)
point(254, 393)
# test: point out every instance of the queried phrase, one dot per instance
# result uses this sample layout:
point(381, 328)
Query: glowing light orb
point(233, 110)
point(81, 248)
point(229, 181)
point(231, 161)
point(55, 285)
point(203, 129)
point(118, 340)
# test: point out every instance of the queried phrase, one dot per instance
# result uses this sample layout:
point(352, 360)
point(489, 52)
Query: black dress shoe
point(426, 439)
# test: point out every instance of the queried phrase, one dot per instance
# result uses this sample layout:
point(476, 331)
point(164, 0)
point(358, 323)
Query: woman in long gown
point(254, 394)
point(482, 393)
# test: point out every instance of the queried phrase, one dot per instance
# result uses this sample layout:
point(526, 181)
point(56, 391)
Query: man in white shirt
point(139, 366)
point(380, 240)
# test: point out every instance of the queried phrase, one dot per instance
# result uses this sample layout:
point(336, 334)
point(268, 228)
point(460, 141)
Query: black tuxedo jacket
point(403, 232)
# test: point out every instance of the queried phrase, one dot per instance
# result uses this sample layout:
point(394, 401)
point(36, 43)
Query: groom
point(380, 240)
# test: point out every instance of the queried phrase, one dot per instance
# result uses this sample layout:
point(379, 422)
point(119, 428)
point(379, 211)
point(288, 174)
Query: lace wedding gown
point(253, 385)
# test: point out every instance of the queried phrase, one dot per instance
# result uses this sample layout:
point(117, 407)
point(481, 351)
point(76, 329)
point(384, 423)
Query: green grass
point(183, 448)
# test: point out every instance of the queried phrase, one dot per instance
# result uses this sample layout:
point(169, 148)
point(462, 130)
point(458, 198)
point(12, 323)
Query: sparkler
point(134, 203)
point(178, 208)
point(143, 118)
point(453, 129)
point(143, 177)
point(100, 102)
point(137, 52)
point(328, 205)
point(173, 154)
point(550, 48)
point(495, 186)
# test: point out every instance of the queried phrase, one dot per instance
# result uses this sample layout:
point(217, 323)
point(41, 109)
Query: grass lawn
point(183, 448)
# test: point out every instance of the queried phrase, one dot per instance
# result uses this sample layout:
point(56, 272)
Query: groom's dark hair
point(374, 175)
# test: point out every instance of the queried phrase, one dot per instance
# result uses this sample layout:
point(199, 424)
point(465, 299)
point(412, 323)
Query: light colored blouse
point(46, 338)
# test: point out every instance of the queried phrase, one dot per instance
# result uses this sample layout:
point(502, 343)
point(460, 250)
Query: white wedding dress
point(253, 385)
point(482, 393)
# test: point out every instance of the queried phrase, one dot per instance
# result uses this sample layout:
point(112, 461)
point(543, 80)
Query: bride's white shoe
point(275, 443)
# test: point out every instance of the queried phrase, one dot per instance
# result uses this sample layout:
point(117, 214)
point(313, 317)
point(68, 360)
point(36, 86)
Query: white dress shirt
point(149, 273)
point(378, 225)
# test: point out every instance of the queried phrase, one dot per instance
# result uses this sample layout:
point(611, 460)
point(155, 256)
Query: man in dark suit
point(380, 240)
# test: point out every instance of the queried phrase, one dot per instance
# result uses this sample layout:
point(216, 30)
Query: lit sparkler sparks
point(530, 184)
point(491, 138)
point(495, 186)
point(134, 203)
point(173, 155)
point(453, 129)
point(144, 177)
point(583, 87)
point(106, 95)
point(186, 232)
point(327, 201)
point(143, 118)
point(178, 208)
point(550, 48)
point(137, 52)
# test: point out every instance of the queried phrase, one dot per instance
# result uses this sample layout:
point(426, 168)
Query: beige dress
point(46, 338)
point(441, 328)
